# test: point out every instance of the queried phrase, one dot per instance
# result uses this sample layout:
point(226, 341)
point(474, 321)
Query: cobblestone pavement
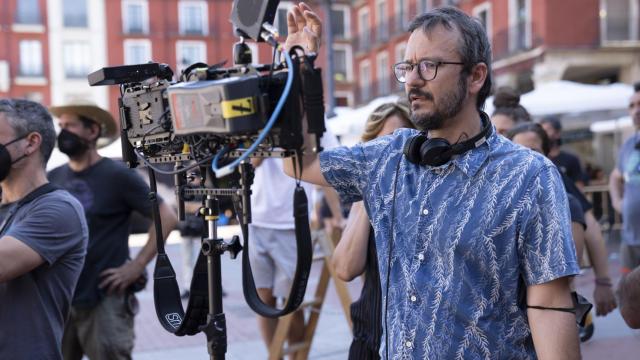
point(612, 339)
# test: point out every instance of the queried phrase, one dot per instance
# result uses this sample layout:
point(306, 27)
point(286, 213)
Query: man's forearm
point(554, 333)
point(310, 163)
point(596, 246)
point(169, 222)
point(616, 186)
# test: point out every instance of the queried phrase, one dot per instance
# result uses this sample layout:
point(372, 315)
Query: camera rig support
point(218, 115)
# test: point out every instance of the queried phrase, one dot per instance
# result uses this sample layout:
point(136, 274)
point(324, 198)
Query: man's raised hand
point(304, 27)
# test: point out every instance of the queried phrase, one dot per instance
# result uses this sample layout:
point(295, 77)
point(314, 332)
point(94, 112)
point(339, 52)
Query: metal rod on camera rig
point(215, 328)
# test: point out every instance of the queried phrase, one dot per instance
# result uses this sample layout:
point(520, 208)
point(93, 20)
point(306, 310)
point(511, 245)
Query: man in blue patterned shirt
point(458, 241)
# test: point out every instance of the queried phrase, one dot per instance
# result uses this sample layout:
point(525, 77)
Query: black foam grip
point(313, 99)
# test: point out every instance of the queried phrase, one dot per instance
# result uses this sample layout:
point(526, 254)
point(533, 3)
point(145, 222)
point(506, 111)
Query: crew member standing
point(103, 308)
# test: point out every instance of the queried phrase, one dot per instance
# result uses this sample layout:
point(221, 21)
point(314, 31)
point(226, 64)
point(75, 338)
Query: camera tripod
point(204, 309)
point(206, 286)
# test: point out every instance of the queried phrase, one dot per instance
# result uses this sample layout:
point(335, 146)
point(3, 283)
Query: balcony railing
point(377, 89)
point(513, 40)
point(362, 42)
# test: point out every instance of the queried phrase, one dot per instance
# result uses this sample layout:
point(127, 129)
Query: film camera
point(213, 115)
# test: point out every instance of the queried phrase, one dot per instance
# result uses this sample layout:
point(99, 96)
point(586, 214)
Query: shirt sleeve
point(344, 169)
point(545, 245)
point(135, 192)
point(51, 227)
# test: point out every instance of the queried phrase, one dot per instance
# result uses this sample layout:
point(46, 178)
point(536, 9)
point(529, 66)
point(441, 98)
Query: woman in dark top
point(594, 244)
point(356, 251)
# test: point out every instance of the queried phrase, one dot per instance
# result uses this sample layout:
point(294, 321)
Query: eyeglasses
point(427, 69)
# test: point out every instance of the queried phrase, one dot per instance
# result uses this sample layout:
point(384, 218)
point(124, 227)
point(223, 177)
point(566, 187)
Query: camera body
point(223, 107)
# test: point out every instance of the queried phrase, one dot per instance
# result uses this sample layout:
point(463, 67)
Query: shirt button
point(420, 257)
point(408, 344)
point(413, 298)
point(425, 212)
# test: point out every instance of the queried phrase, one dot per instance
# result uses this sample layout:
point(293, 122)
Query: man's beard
point(449, 106)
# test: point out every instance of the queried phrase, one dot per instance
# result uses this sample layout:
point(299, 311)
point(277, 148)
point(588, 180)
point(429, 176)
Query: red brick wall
point(10, 50)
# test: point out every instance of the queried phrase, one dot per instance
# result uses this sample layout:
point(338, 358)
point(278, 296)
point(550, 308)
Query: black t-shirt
point(366, 311)
point(109, 192)
point(572, 189)
point(569, 165)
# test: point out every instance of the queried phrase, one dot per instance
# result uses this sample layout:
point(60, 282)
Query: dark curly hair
point(507, 102)
point(534, 128)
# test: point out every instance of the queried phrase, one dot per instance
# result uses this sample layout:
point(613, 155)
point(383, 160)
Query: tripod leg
point(215, 329)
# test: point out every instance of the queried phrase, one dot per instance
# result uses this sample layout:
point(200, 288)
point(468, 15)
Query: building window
point(34, 96)
point(382, 30)
point(340, 22)
point(342, 62)
point(399, 52)
point(193, 17)
point(30, 58)
point(340, 65)
point(190, 52)
point(137, 51)
point(28, 12)
point(135, 16)
point(620, 20)
point(4, 76)
point(483, 13)
point(281, 18)
point(401, 15)
point(76, 56)
point(343, 98)
point(364, 37)
point(382, 65)
point(423, 6)
point(74, 13)
point(519, 25)
point(365, 81)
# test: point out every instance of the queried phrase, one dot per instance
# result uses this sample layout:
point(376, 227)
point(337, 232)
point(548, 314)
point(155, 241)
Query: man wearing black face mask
point(101, 321)
point(43, 237)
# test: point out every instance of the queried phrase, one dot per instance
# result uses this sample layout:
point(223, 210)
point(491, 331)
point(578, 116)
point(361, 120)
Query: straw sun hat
point(108, 125)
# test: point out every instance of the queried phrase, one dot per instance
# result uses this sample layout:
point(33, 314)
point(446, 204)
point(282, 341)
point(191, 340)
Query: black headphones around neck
point(422, 150)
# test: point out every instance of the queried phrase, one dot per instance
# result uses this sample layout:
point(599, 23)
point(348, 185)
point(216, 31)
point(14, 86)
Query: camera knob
point(234, 246)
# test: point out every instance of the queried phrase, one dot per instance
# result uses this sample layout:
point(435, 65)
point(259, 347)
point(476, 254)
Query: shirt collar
point(471, 161)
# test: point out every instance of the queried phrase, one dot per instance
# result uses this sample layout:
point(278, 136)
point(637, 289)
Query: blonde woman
point(356, 251)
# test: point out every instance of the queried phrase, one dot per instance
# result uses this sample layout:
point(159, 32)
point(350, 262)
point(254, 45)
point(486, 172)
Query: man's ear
point(95, 132)
point(34, 140)
point(477, 77)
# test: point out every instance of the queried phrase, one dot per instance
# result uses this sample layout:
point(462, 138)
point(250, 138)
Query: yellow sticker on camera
point(237, 107)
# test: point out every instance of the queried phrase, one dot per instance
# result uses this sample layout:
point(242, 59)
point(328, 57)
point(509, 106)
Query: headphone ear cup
point(435, 152)
point(412, 148)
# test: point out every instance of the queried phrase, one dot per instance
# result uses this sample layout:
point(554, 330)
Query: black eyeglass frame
point(437, 63)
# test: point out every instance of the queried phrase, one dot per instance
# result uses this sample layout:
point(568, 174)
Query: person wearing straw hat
point(101, 320)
